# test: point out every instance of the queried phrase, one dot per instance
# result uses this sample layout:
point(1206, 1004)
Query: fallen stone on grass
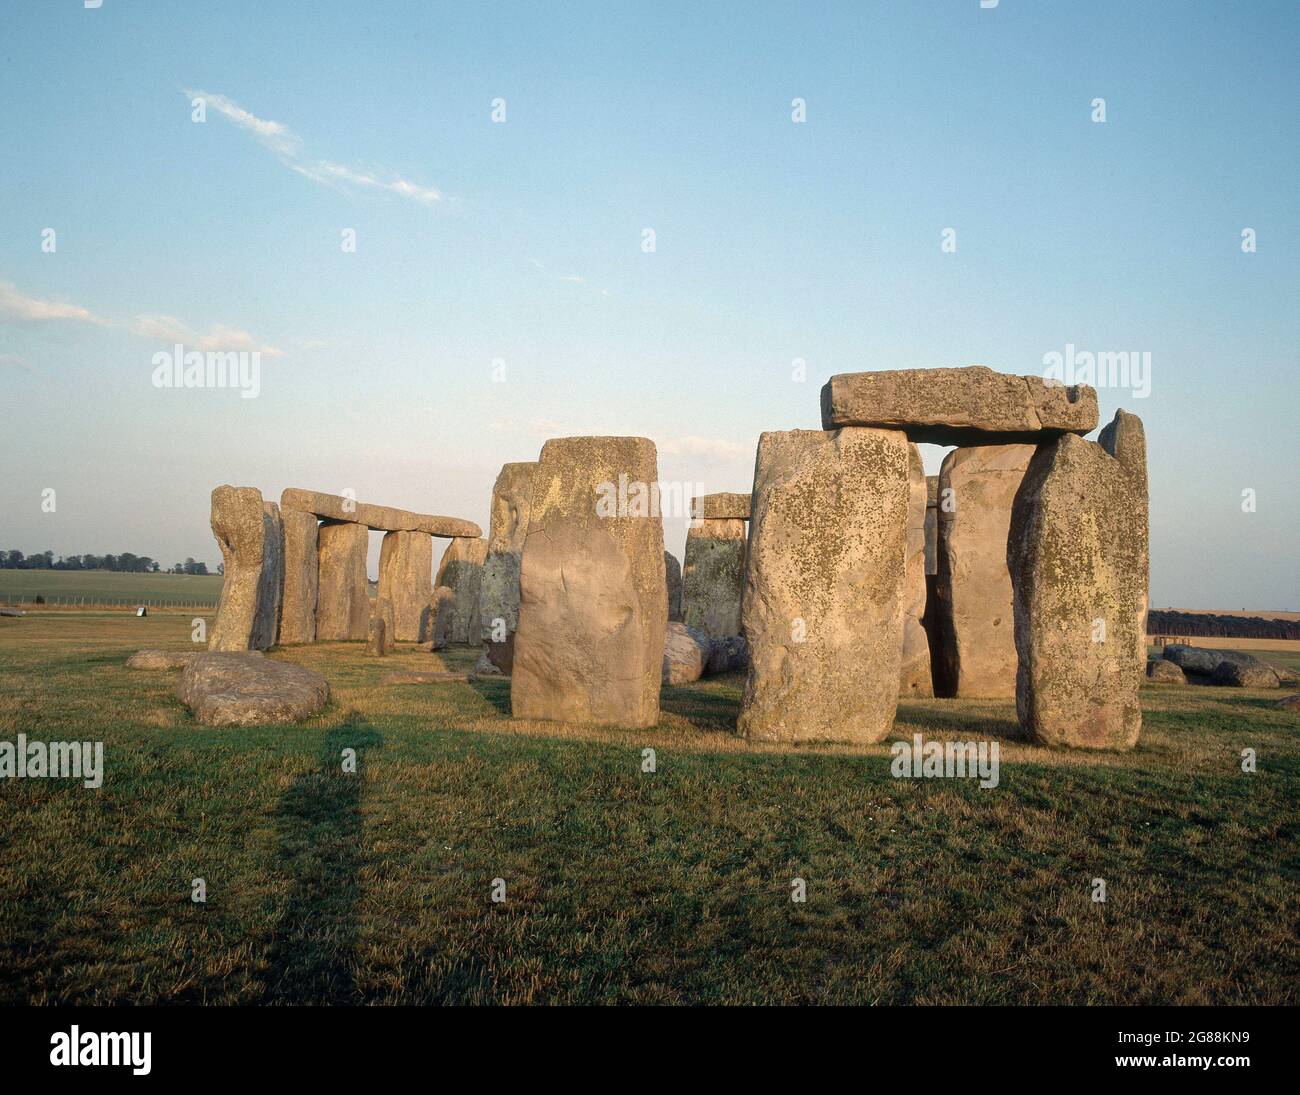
point(164, 659)
point(686, 654)
point(411, 677)
point(1163, 672)
point(1205, 660)
point(1236, 674)
point(244, 689)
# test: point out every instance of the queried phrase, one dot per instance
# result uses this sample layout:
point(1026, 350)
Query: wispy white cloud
point(18, 306)
point(572, 279)
point(288, 147)
point(218, 337)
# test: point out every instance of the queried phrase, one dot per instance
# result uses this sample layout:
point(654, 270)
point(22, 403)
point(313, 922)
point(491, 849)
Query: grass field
point(623, 886)
point(22, 586)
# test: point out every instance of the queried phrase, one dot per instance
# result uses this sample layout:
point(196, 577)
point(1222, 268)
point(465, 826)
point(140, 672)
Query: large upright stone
point(714, 576)
point(967, 406)
point(270, 587)
point(461, 571)
point(301, 564)
point(1077, 551)
point(932, 524)
point(247, 535)
point(499, 594)
point(823, 585)
point(673, 576)
point(914, 672)
point(342, 605)
point(975, 620)
point(406, 583)
point(593, 601)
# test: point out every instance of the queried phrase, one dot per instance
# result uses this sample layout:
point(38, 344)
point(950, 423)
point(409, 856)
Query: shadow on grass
point(496, 691)
point(703, 708)
point(932, 717)
point(318, 824)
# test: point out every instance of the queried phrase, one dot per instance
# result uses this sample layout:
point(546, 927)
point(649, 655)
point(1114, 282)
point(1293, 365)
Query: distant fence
point(90, 600)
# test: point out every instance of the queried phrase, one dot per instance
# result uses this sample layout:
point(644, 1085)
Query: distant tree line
point(127, 562)
point(1210, 626)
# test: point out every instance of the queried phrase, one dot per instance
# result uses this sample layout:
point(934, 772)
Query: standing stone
point(342, 605)
point(499, 593)
point(246, 534)
point(406, 583)
point(298, 607)
point(270, 587)
point(714, 575)
point(673, 576)
point(932, 524)
point(461, 570)
point(593, 599)
point(1079, 565)
point(914, 673)
point(976, 622)
point(442, 608)
point(378, 642)
point(823, 585)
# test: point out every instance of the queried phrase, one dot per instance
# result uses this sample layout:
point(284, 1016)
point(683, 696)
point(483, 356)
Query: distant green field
point(106, 586)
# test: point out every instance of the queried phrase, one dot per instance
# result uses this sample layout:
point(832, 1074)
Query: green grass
point(106, 585)
point(622, 886)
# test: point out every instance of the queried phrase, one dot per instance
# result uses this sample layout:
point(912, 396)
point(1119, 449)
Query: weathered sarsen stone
point(246, 534)
point(301, 564)
point(499, 593)
point(443, 606)
point(673, 577)
point(714, 575)
point(243, 689)
point(270, 587)
point(406, 583)
point(335, 507)
point(932, 524)
point(967, 406)
point(378, 644)
point(686, 654)
point(726, 506)
point(593, 598)
point(823, 585)
point(461, 571)
point(342, 604)
point(914, 672)
point(1077, 552)
point(975, 622)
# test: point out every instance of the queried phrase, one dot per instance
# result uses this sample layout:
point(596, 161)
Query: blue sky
point(521, 242)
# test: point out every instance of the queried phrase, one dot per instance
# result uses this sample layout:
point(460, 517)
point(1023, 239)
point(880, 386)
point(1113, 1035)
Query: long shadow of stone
point(962, 723)
point(496, 690)
point(703, 708)
point(318, 823)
